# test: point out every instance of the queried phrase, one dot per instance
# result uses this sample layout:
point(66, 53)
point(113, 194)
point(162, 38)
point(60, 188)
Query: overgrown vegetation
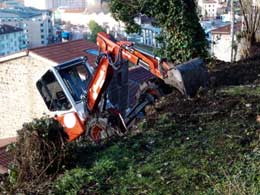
point(209, 145)
point(206, 145)
point(39, 155)
point(182, 37)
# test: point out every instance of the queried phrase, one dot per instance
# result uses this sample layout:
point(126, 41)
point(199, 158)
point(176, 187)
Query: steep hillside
point(206, 145)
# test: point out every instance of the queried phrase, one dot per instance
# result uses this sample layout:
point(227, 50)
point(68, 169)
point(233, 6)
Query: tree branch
point(244, 14)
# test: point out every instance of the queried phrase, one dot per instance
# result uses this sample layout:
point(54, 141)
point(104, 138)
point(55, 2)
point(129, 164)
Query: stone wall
point(20, 101)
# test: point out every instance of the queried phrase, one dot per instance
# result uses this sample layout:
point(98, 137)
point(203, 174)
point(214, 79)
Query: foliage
point(182, 37)
point(95, 28)
point(92, 179)
point(38, 152)
point(240, 90)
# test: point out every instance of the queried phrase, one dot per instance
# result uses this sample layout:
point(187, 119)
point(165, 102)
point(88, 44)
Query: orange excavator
point(77, 92)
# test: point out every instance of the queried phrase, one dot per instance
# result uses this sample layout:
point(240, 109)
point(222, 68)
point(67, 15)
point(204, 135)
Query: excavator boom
point(187, 77)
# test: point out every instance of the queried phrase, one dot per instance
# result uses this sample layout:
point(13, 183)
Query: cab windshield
point(52, 93)
point(76, 79)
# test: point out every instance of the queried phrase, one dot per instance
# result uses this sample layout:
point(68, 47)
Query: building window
point(42, 36)
point(42, 42)
point(42, 30)
point(41, 24)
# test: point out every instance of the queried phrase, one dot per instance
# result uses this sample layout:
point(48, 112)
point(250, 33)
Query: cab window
point(76, 79)
point(52, 93)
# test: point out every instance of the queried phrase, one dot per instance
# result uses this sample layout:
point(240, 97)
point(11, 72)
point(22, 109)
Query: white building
point(37, 24)
point(221, 42)
point(83, 18)
point(212, 8)
point(12, 40)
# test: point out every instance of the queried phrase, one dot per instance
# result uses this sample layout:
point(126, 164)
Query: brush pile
point(38, 154)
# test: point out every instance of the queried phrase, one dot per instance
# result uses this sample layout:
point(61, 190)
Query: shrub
point(38, 153)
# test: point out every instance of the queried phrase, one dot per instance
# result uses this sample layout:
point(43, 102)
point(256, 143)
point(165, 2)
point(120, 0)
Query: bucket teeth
point(188, 77)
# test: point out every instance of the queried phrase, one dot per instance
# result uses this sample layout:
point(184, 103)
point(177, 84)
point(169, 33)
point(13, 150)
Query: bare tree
point(251, 14)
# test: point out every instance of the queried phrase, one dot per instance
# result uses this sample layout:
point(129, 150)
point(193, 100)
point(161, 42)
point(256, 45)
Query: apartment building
point(12, 40)
point(212, 8)
point(37, 24)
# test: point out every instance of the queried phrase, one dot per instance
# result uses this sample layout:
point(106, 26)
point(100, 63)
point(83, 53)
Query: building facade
point(221, 45)
point(37, 24)
point(212, 8)
point(149, 32)
point(12, 40)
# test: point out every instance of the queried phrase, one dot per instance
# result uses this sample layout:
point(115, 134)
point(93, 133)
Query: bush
point(38, 153)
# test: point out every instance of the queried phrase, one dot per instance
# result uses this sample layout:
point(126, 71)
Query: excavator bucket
point(188, 77)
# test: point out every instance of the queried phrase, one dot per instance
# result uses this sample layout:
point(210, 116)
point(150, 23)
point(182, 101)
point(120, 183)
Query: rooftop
point(20, 12)
point(5, 157)
point(209, 1)
point(6, 29)
point(226, 29)
point(61, 52)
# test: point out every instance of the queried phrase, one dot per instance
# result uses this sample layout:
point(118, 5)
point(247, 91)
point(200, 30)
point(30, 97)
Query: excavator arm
point(187, 78)
point(126, 50)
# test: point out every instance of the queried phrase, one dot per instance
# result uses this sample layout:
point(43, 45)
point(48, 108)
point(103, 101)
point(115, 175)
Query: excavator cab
point(62, 88)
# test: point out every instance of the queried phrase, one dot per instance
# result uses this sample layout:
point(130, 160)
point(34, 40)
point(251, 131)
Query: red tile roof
point(5, 157)
point(62, 52)
point(226, 29)
point(6, 141)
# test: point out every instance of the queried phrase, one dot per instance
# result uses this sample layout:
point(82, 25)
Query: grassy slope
point(209, 145)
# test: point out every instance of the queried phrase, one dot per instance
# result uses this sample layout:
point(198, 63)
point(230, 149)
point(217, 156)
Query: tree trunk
point(253, 39)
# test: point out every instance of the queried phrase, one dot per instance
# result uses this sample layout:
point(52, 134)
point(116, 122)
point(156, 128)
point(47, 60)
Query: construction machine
point(77, 92)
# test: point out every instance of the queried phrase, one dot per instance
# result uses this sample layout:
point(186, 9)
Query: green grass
point(242, 90)
point(216, 157)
